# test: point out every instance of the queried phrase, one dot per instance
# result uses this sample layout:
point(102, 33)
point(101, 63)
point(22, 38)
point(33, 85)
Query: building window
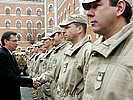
point(61, 17)
point(69, 8)
point(18, 11)
point(39, 37)
point(18, 24)
point(51, 22)
point(7, 11)
point(19, 37)
point(74, 4)
point(7, 24)
point(49, 30)
point(65, 13)
point(39, 12)
point(29, 37)
point(28, 12)
point(39, 25)
point(50, 8)
point(28, 24)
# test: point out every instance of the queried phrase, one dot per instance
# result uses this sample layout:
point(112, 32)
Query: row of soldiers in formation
point(60, 61)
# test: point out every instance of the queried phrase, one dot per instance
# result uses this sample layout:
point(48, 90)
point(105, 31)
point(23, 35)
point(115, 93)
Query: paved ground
point(25, 93)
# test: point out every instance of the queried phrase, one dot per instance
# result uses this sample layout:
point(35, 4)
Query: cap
point(36, 44)
point(40, 44)
point(86, 3)
point(73, 18)
point(56, 29)
point(46, 37)
point(129, 1)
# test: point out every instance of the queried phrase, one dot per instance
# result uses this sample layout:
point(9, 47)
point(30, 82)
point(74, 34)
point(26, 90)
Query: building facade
point(32, 19)
point(25, 18)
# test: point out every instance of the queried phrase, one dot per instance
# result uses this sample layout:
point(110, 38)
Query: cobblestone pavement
point(25, 93)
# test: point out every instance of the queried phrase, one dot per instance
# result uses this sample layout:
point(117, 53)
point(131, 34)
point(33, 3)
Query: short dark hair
point(6, 36)
point(81, 24)
point(128, 10)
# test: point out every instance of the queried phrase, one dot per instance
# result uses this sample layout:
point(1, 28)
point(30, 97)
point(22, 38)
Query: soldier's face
point(48, 43)
point(43, 49)
point(103, 16)
point(57, 39)
point(70, 32)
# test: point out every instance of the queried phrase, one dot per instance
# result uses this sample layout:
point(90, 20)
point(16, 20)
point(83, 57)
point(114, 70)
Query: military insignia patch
point(100, 76)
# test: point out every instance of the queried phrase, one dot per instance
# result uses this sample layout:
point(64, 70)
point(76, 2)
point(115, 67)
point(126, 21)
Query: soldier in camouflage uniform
point(37, 57)
point(71, 71)
point(110, 74)
point(44, 90)
point(70, 84)
point(61, 45)
point(43, 49)
point(32, 60)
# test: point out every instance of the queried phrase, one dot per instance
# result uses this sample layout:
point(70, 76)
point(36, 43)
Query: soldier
point(44, 90)
point(61, 45)
point(28, 58)
point(110, 74)
point(42, 53)
point(48, 45)
point(32, 60)
point(70, 82)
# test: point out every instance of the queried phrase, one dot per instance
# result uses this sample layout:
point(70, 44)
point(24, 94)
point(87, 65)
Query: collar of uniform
point(78, 45)
point(49, 52)
point(60, 45)
point(105, 48)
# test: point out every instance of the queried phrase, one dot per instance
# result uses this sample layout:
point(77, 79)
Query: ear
point(5, 41)
point(62, 35)
point(121, 5)
point(80, 29)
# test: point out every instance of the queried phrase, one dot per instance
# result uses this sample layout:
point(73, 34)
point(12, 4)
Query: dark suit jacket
point(10, 80)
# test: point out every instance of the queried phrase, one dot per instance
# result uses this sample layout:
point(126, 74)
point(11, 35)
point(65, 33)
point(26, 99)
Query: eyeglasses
point(15, 41)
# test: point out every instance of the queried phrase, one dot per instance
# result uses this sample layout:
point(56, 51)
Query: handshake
point(36, 82)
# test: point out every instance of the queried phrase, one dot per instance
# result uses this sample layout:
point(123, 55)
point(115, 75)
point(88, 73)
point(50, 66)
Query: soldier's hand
point(36, 83)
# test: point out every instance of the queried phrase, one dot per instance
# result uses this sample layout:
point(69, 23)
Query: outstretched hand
point(36, 83)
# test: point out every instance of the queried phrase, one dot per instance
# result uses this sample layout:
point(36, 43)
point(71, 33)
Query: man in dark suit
point(10, 80)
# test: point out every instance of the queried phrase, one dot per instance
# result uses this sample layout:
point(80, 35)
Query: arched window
point(29, 24)
point(28, 12)
point(69, 8)
point(7, 11)
point(18, 11)
point(39, 24)
point(18, 24)
point(29, 37)
point(50, 8)
point(19, 37)
point(74, 4)
point(39, 37)
point(39, 12)
point(51, 22)
point(7, 24)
